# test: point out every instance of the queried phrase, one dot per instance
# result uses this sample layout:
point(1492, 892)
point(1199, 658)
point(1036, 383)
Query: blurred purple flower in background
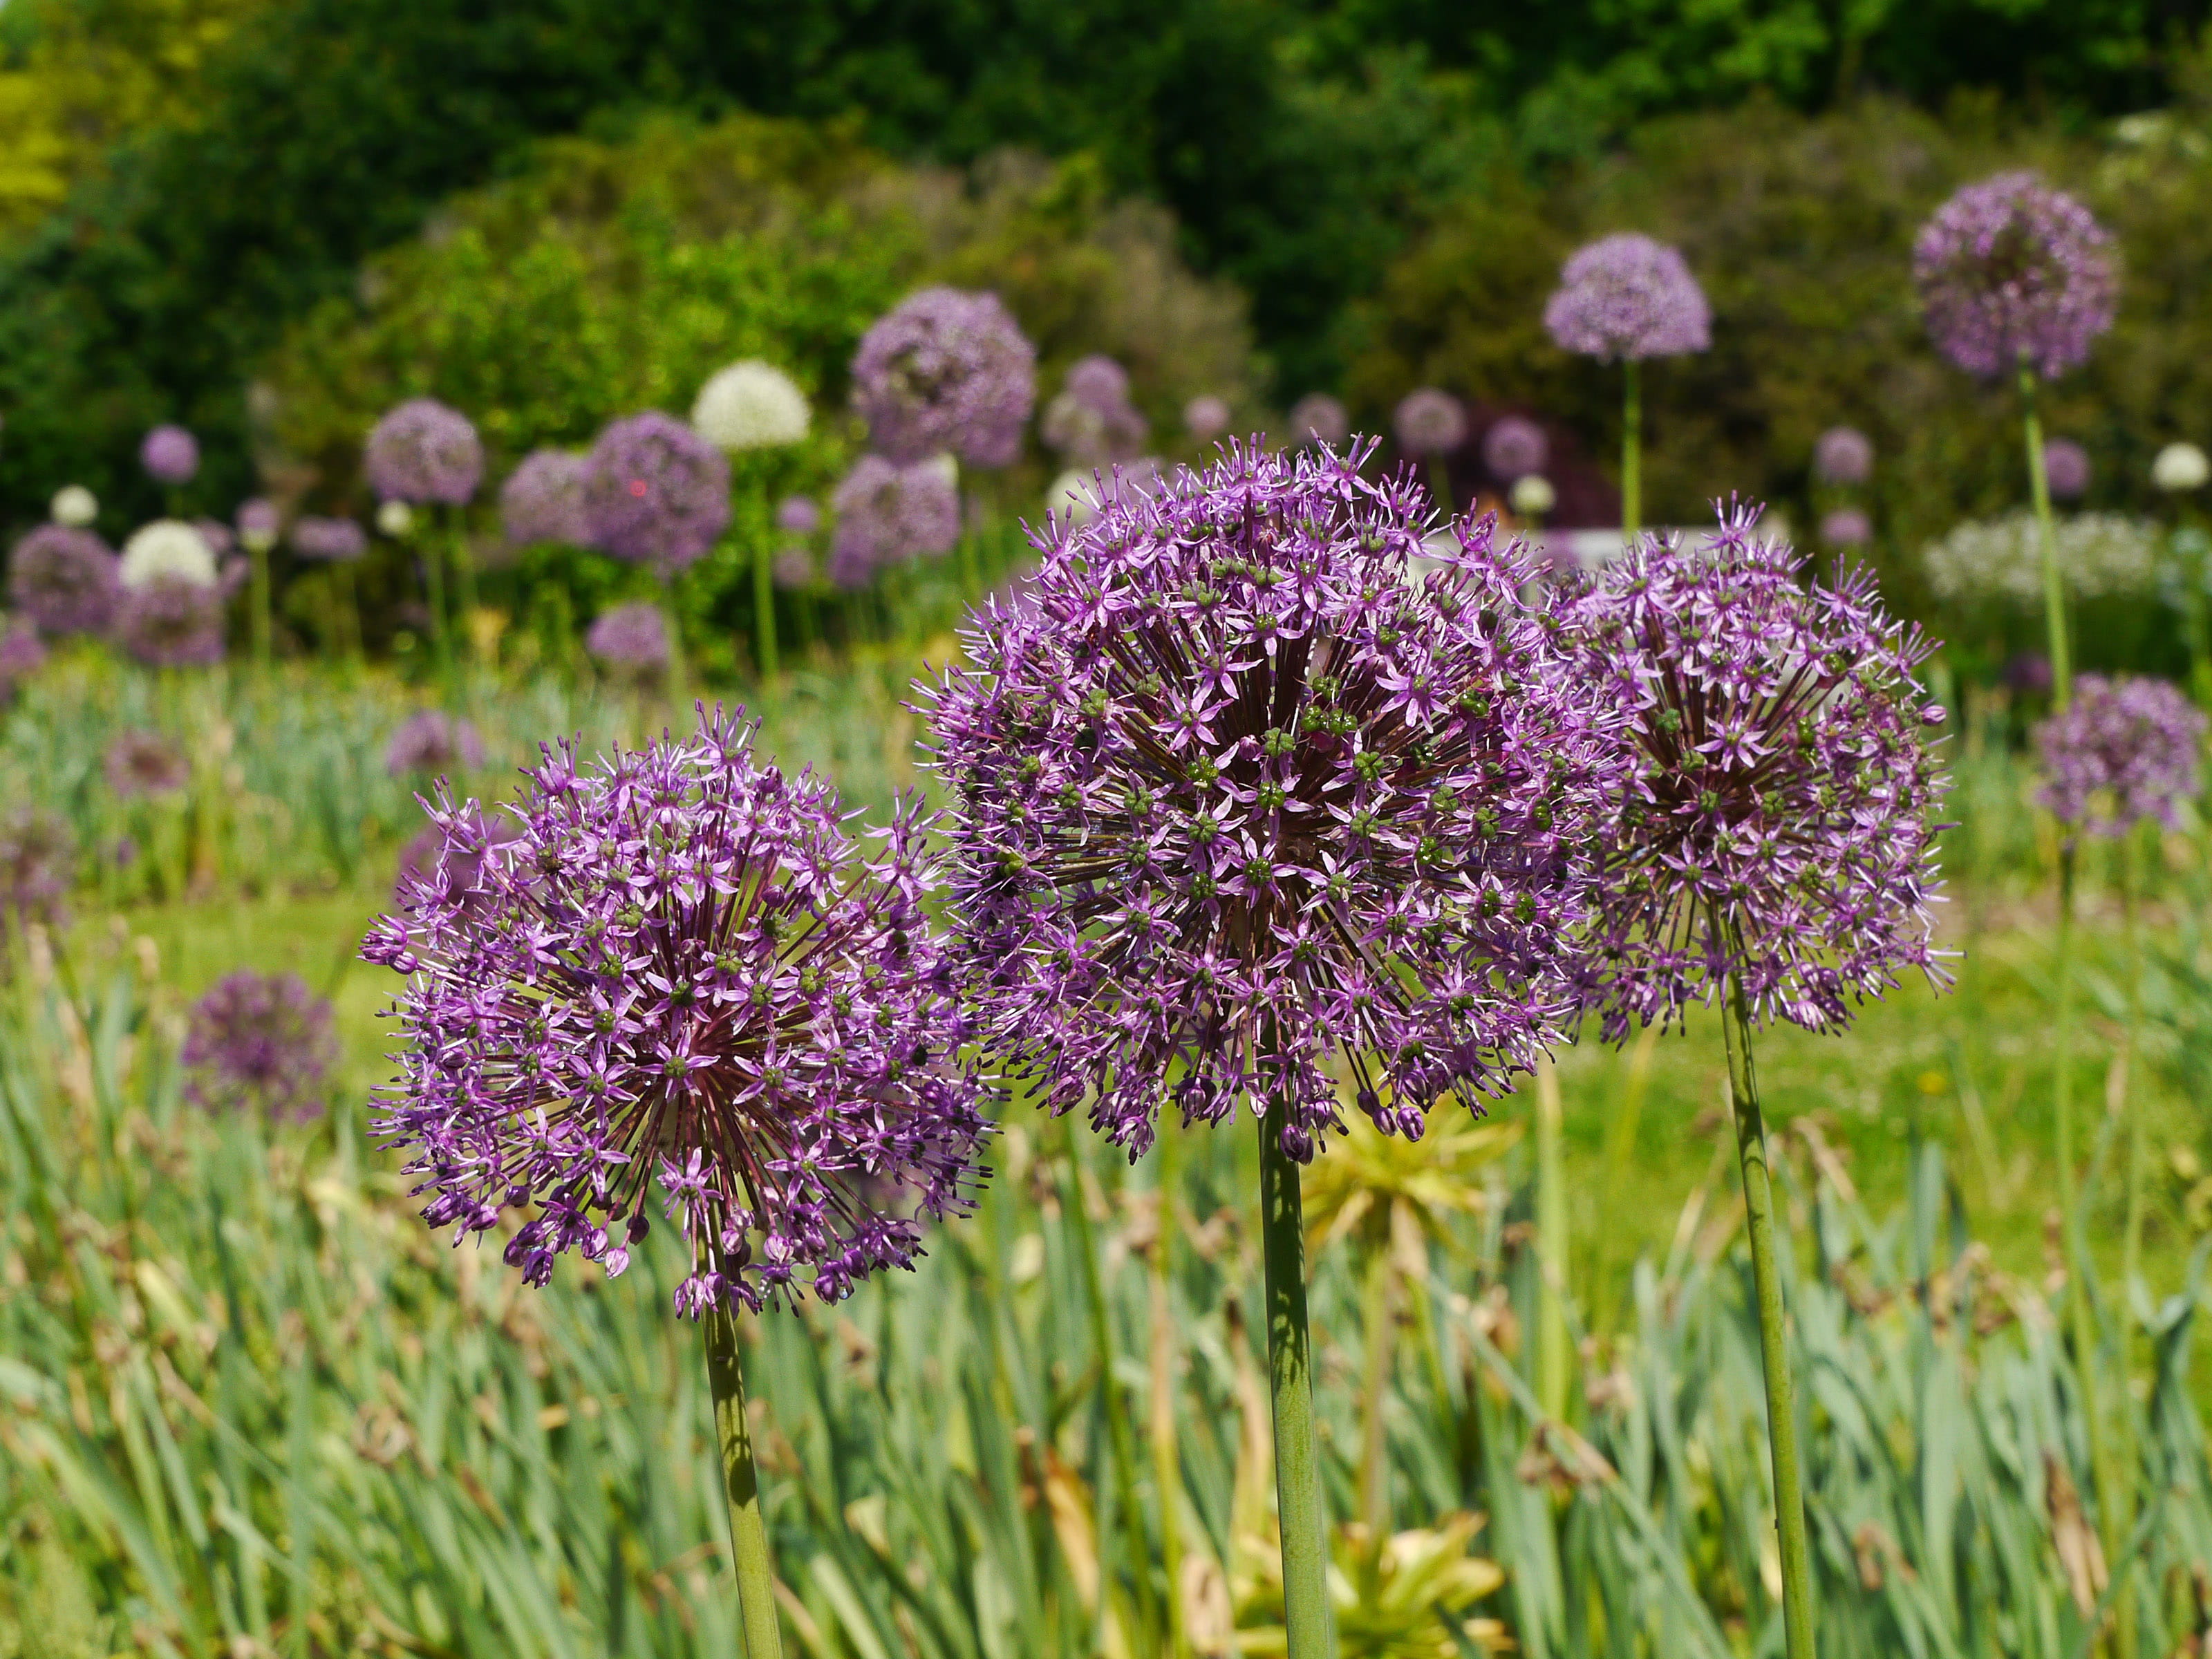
point(333, 540)
point(259, 523)
point(1205, 418)
point(1846, 527)
point(170, 455)
point(172, 621)
point(2012, 271)
point(793, 569)
point(543, 500)
point(1318, 418)
point(260, 1041)
point(143, 763)
point(1092, 420)
point(1429, 422)
point(632, 639)
point(799, 515)
point(1627, 297)
point(433, 741)
point(655, 493)
point(423, 452)
point(887, 513)
point(1842, 455)
point(1514, 448)
point(2066, 469)
point(23, 653)
point(38, 866)
point(2122, 752)
point(448, 869)
point(945, 371)
point(64, 579)
point(2027, 671)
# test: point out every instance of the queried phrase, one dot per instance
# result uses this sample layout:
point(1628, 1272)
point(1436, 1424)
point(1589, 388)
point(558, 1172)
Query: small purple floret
point(1514, 448)
point(543, 500)
point(1842, 455)
point(1429, 422)
point(2066, 469)
point(631, 638)
point(336, 541)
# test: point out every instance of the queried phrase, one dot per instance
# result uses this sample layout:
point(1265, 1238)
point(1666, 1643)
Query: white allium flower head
point(74, 506)
point(170, 547)
point(395, 518)
point(750, 405)
point(1533, 494)
point(2001, 560)
point(2180, 466)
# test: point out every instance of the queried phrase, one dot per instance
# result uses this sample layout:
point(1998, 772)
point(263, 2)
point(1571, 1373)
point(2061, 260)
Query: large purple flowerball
point(1842, 455)
point(2066, 469)
point(64, 579)
point(172, 621)
point(1628, 297)
point(1318, 418)
point(2011, 271)
point(685, 990)
point(946, 371)
point(1780, 827)
point(630, 638)
point(543, 499)
point(424, 452)
point(655, 492)
point(887, 513)
point(1514, 448)
point(1245, 805)
point(262, 1043)
point(2124, 751)
point(170, 455)
point(331, 540)
point(1429, 422)
point(432, 740)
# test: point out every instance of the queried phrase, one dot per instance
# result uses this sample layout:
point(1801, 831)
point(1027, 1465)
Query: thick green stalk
point(1631, 451)
point(2120, 1504)
point(1290, 1379)
point(1167, 1460)
point(2054, 591)
point(1554, 1351)
point(1773, 1341)
point(741, 1488)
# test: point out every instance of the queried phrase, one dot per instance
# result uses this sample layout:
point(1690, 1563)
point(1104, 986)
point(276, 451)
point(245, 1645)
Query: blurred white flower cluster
point(2100, 554)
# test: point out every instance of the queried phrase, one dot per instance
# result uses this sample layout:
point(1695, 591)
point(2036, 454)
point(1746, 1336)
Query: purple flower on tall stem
point(1514, 448)
point(1205, 418)
point(1092, 420)
point(630, 638)
point(422, 452)
point(261, 1042)
point(432, 740)
point(259, 523)
point(887, 513)
point(170, 455)
point(799, 515)
point(1429, 422)
point(543, 500)
point(656, 493)
point(945, 371)
point(65, 579)
point(172, 621)
point(1318, 418)
point(2066, 467)
point(2123, 752)
point(2011, 271)
point(1628, 297)
point(1842, 455)
point(142, 763)
point(329, 541)
point(38, 864)
point(1846, 527)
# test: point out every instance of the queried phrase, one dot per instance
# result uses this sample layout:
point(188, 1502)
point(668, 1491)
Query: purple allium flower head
point(2009, 271)
point(1205, 418)
point(432, 740)
point(38, 863)
point(333, 540)
point(170, 455)
point(145, 764)
point(260, 1041)
point(631, 638)
point(2027, 671)
point(543, 499)
point(1514, 448)
point(1842, 455)
point(172, 621)
point(946, 370)
point(2066, 469)
point(1779, 827)
point(684, 973)
point(799, 515)
point(793, 569)
point(1627, 297)
point(1846, 527)
point(1092, 420)
point(1318, 418)
point(1429, 422)
point(1242, 798)
point(258, 520)
point(887, 513)
point(2122, 752)
point(422, 451)
point(453, 866)
point(23, 653)
point(656, 492)
point(64, 579)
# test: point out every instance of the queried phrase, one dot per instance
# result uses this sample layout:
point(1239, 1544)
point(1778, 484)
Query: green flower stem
point(1167, 1460)
point(465, 581)
point(2120, 1507)
point(257, 552)
point(1631, 451)
point(1554, 1353)
point(1290, 1378)
point(2054, 592)
point(1773, 1343)
point(679, 666)
point(741, 1488)
point(434, 596)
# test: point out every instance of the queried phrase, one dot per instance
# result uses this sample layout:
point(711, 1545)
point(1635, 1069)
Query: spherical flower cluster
point(797, 515)
point(262, 1043)
point(422, 451)
point(1777, 828)
point(1514, 448)
point(336, 541)
point(887, 513)
point(543, 499)
point(64, 578)
point(259, 523)
point(143, 763)
point(631, 639)
point(1205, 418)
point(2066, 469)
point(2100, 554)
point(432, 740)
point(1318, 418)
point(170, 455)
point(945, 370)
point(1092, 420)
point(395, 519)
point(1846, 526)
point(684, 973)
point(167, 549)
point(2012, 271)
point(1429, 422)
point(2124, 750)
point(74, 506)
point(172, 621)
point(1842, 455)
point(655, 492)
point(1627, 297)
point(38, 864)
point(1245, 798)
point(2180, 467)
point(750, 405)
